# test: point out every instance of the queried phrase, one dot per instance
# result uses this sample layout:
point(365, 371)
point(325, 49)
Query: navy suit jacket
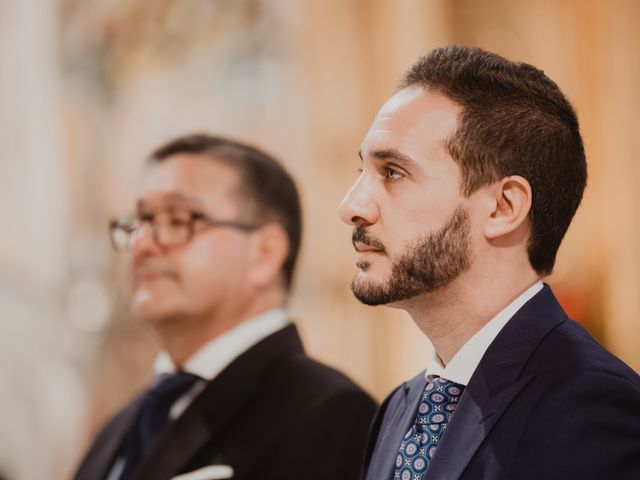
point(546, 402)
point(272, 414)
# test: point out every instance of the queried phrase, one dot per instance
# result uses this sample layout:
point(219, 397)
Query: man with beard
point(471, 174)
point(212, 248)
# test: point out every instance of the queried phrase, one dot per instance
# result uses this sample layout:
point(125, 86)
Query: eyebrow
point(173, 197)
point(392, 154)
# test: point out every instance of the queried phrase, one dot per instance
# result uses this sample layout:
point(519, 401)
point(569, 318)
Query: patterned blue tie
point(153, 415)
point(418, 446)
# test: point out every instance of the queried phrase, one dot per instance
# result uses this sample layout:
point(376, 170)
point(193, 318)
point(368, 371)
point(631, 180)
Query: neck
point(450, 316)
point(183, 336)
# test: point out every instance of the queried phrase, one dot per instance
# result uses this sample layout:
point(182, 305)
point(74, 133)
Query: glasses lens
point(168, 229)
point(173, 230)
point(121, 230)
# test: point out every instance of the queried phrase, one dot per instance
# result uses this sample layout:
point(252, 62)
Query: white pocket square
point(212, 472)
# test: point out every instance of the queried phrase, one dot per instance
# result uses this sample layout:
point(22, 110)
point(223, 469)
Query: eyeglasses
point(169, 229)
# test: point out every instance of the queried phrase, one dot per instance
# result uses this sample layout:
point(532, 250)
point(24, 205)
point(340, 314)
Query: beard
point(430, 263)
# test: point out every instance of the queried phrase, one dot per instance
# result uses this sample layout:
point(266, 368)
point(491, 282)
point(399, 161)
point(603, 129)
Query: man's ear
point(269, 252)
point(512, 196)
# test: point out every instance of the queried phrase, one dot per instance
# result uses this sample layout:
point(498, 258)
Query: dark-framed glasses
point(169, 229)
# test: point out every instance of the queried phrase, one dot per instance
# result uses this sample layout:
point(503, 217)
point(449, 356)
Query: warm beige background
point(88, 87)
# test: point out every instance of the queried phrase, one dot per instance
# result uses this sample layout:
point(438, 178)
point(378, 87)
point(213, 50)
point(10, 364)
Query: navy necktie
point(418, 446)
point(153, 414)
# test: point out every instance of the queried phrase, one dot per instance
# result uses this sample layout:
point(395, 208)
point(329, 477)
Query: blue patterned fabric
point(418, 446)
point(153, 414)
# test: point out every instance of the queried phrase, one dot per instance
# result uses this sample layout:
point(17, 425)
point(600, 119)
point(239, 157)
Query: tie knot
point(439, 401)
point(445, 387)
point(170, 386)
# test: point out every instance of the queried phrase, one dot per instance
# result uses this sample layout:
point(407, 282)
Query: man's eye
point(178, 221)
point(129, 227)
point(392, 174)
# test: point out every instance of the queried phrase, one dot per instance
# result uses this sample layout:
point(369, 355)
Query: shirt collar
point(218, 353)
point(465, 361)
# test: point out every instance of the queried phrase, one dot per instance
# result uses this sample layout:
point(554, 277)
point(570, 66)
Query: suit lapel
point(471, 423)
point(495, 383)
point(223, 399)
point(397, 423)
point(182, 440)
point(99, 460)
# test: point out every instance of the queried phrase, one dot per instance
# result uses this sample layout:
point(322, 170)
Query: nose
point(358, 206)
point(143, 244)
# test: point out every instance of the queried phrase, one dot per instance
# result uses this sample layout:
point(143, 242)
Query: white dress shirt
point(217, 354)
point(466, 360)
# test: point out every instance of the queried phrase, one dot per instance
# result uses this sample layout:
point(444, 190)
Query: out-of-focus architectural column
point(615, 41)
point(39, 400)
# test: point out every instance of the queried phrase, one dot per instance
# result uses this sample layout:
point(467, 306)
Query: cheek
point(210, 266)
point(199, 269)
point(398, 230)
point(417, 212)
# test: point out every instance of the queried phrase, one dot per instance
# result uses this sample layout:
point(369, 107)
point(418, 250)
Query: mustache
point(153, 267)
point(361, 235)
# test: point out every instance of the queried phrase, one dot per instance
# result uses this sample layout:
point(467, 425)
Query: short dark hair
point(514, 121)
point(268, 192)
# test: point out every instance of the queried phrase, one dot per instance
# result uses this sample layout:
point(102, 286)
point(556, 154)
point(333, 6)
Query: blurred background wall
point(88, 88)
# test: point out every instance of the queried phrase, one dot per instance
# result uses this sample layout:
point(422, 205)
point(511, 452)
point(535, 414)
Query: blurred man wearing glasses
point(212, 248)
